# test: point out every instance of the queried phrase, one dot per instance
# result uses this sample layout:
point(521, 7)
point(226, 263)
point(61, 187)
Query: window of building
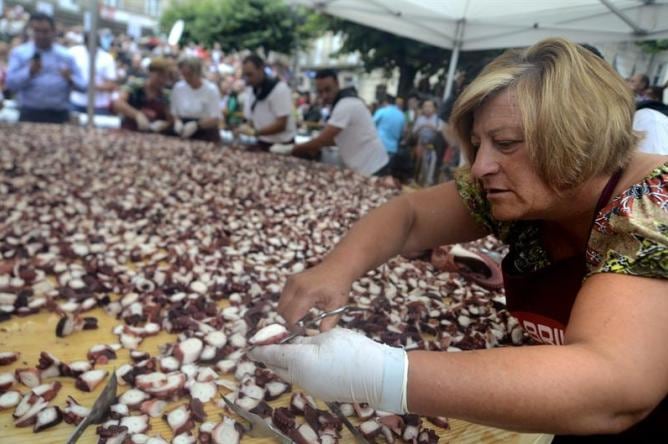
point(152, 7)
point(113, 3)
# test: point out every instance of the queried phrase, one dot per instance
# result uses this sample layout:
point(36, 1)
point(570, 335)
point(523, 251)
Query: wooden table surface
point(33, 334)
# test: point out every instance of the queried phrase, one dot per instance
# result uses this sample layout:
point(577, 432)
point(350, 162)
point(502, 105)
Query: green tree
point(268, 25)
point(383, 50)
point(654, 46)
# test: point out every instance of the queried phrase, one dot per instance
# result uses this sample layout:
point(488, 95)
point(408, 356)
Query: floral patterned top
point(629, 235)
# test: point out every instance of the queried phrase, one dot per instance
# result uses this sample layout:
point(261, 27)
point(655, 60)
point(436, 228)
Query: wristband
point(395, 380)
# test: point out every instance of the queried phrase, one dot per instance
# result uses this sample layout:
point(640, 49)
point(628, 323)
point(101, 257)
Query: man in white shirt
point(268, 105)
point(105, 78)
point(651, 120)
point(653, 127)
point(350, 127)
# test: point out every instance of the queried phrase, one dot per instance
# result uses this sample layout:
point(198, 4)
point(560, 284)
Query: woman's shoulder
point(180, 85)
point(134, 84)
point(647, 183)
point(641, 167)
point(630, 234)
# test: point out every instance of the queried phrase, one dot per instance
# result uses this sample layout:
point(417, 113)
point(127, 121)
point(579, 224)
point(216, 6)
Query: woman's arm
point(121, 106)
point(208, 122)
point(211, 116)
point(278, 126)
point(411, 222)
point(313, 146)
point(611, 373)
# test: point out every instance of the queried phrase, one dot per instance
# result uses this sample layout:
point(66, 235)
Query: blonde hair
point(577, 113)
point(159, 64)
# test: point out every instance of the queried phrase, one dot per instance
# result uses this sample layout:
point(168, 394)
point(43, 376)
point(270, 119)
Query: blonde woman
point(195, 103)
point(555, 174)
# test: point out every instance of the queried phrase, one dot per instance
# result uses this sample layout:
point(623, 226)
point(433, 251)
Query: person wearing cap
point(42, 74)
point(144, 103)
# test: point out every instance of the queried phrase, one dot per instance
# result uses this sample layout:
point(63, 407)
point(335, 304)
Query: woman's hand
point(323, 287)
point(178, 126)
point(342, 365)
point(189, 129)
point(143, 123)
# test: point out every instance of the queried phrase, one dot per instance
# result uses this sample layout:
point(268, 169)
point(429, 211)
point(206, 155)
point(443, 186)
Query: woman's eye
point(506, 144)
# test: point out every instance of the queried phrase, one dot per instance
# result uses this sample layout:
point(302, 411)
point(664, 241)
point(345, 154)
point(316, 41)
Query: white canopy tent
point(463, 25)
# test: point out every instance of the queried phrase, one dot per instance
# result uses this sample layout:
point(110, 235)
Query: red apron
point(542, 301)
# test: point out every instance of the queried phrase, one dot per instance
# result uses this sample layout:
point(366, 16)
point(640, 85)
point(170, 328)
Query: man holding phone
point(42, 74)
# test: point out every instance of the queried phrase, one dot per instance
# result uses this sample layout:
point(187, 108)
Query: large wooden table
point(113, 165)
point(36, 333)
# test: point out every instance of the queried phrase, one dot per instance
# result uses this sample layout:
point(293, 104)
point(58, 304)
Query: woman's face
point(191, 77)
point(512, 185)
point(159, 78)
point(428, 108)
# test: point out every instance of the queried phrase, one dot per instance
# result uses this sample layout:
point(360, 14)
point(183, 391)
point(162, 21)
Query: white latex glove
point(142, 121)
point(158, 126)
point(189, 129)
point(178, 126)
point(280, 148)
point(342, 365)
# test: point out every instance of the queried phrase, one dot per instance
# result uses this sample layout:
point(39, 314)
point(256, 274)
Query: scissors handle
point(304, 323)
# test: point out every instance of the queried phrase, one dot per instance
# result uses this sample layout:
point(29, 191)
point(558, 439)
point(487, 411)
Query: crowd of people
point(193, 92)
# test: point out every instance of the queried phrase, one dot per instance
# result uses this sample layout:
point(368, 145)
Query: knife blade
point(100, 407)
point(359, 438)
point(258, 426)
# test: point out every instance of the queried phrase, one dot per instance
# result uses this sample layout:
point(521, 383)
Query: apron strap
point(606, 194)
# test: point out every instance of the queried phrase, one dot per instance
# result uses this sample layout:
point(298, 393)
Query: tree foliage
point(383, 50)
point(654, 46)
point(269, 25)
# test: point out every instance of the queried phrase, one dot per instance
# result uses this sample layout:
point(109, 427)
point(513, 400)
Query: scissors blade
point(359, 438)
point(102, 403)
point(303, 324)
point(299, 331)
point(259, 427)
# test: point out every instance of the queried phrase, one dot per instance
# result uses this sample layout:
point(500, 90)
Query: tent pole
point(92, 58)
point(637, 30)
point(454, 59)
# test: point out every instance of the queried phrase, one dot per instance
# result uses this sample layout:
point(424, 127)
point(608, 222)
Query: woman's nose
point(485, 162)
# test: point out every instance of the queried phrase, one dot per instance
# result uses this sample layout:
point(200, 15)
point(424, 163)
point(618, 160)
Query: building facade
point(134, 17)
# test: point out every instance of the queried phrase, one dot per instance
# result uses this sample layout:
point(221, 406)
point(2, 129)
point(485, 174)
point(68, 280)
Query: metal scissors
point(258, 427)
point(301, 326)
point(306, 322)
point(102, 403)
